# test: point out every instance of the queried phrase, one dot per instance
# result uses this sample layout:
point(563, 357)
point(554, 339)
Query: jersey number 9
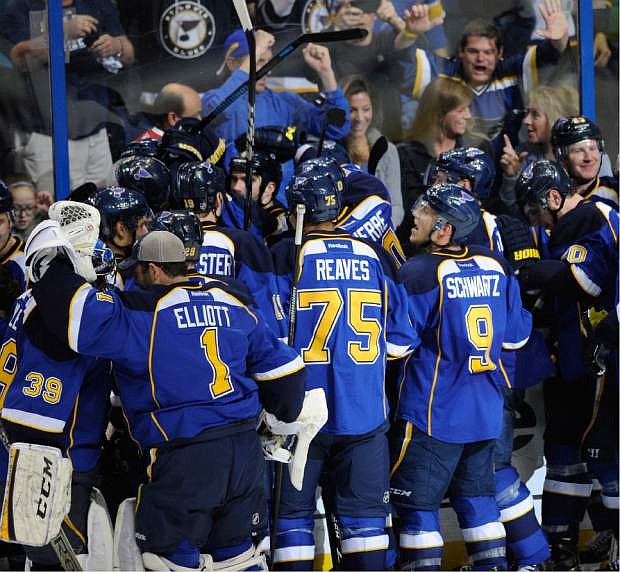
point(479, 323)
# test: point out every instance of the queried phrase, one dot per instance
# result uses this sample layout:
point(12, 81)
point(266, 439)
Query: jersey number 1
point(221, 384)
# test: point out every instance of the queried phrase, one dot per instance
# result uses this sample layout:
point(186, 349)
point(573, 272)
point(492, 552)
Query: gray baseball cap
point(156, 246)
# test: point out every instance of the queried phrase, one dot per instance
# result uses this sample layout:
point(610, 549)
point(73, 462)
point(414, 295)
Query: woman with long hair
point(367, 147)
point(442, 122)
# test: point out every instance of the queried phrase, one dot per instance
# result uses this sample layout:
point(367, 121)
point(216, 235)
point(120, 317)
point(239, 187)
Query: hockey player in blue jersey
point(193, 366)
point(582, 430)
point(350, 317)
point(366, 210)
point(510, 238)
point(578, 146)
point(52, 396)
point(228, 252)
point(466, 303)
point(268, 213)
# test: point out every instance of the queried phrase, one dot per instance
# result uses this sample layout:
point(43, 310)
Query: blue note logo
point(316, 16)
point(186, 29)
point(142, 173)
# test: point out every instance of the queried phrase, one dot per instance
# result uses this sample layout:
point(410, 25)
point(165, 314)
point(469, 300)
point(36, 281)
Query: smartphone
point(367, 6)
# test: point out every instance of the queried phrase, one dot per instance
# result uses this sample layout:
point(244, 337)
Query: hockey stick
point(300, 212)
point(60, 543)
point(316, 37)
point(246, 23)
point(335, 116)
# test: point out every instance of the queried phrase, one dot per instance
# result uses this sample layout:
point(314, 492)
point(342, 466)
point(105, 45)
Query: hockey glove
point(312, 417)
point(46, 242)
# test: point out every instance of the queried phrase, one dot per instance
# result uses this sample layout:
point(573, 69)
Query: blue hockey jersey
point(46, 387)
point(232, 253)
point(587, 238)
point(15, 261)
point(351, 316)
point(468, 308)
point(605, 190)
point(367, 211)
point(188, 357)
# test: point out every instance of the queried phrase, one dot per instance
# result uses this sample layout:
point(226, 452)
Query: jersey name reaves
point(342, 269)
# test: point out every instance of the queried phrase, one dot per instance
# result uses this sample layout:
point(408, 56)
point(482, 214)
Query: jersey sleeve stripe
point(286, 369)
point(76, 308)
point(515, 345)
point(396, 351)
point(40, 422)
point(423, 73)
point(530, 72)
point(584, 281)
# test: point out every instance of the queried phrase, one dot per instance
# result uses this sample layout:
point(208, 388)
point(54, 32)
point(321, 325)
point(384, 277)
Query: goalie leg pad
point(37, 494)
point(127, 556)
point(100, 534)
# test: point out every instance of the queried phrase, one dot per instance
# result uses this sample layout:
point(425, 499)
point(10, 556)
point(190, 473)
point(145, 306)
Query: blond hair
point(441, 96)
point(555, 101)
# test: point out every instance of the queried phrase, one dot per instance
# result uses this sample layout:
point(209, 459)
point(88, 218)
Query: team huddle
point(386, 381)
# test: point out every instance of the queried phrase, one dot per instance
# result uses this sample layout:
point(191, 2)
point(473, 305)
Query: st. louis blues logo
point(142, 173)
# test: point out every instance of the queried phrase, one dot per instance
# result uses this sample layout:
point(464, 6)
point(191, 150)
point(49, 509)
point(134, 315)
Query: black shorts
point(206, 492)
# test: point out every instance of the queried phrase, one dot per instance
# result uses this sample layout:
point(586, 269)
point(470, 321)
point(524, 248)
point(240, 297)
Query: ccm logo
point(46, 487)
point(400, 492)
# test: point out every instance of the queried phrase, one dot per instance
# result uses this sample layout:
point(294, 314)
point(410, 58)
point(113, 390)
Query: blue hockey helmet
point(143, 148)
point(119, 204)
point(6, 199)
point(184, 224)
point(464, 163)
point(148, 175)
point(318, 193)
point(322, 166)
point(196, 186)
point(453, 205)
point(537, 179)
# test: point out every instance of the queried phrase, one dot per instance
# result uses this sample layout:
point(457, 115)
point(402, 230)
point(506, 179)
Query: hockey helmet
point(119, 204)
point(464, 163)
point(319, 194)
point(196, 186)
point(184, 224)
point(453, 205)
point(538, 178)
point(148, 175)
point(569, 130)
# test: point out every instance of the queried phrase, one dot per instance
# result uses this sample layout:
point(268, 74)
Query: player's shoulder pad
point(283, 254)
point(583, 220)
point(233, 287)
point(609, 182)
point(142, 300)
point(360, 185)
point(419, 273)
point(46, 341)
point(479, 250)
